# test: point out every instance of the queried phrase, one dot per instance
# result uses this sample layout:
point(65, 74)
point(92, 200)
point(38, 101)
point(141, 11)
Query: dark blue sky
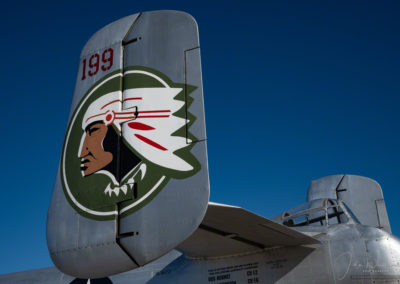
point(294, 90)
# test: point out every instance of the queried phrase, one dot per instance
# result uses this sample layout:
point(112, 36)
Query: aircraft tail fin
point(362, 195)
point(133, 176)
point(229, 230)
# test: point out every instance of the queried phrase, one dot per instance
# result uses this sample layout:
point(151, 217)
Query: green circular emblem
point(123, 147)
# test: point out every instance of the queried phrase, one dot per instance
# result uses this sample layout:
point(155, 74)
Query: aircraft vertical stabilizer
point(133, 176)
point(361, 194)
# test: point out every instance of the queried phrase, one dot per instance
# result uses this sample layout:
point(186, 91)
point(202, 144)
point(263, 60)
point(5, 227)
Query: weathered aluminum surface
point(167, 41)
point(73, 240)
point(162, 45)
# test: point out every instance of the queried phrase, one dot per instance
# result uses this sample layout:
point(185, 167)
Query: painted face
point(92, 154)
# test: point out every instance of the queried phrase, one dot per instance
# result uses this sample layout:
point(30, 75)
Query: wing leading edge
point(229, 230)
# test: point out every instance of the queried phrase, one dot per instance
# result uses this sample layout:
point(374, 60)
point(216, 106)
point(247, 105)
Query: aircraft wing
point(229, 230)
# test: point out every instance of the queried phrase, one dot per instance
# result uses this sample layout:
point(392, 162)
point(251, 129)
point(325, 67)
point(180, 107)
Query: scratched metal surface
point(73, 240)
point(84, 247)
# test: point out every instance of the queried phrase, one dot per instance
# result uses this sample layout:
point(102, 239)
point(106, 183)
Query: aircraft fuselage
point(347, 254)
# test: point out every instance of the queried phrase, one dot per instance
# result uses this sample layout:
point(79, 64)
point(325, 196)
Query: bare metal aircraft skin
point(131, 198)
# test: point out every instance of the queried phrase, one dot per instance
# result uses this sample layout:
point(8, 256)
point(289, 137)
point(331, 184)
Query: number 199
point(107, 58)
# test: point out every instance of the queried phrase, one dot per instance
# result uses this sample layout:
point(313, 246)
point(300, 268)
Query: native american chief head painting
point(100, 142)
point(126, 146)
point(123, 132)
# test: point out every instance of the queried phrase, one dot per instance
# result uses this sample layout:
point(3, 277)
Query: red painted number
point(94, 64)
point(107, 60)
point(84, 69)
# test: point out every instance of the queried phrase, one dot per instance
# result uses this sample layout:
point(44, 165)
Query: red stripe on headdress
point(151, 142)
point(140, 126)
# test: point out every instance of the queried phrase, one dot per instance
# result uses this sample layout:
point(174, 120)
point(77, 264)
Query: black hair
point(124, 162)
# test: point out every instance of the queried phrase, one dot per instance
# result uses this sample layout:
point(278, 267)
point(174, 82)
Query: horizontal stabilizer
point(229, 230)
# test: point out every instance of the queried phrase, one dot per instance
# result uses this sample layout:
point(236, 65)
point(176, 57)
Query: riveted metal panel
point(78, 242)
point(170, 205)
